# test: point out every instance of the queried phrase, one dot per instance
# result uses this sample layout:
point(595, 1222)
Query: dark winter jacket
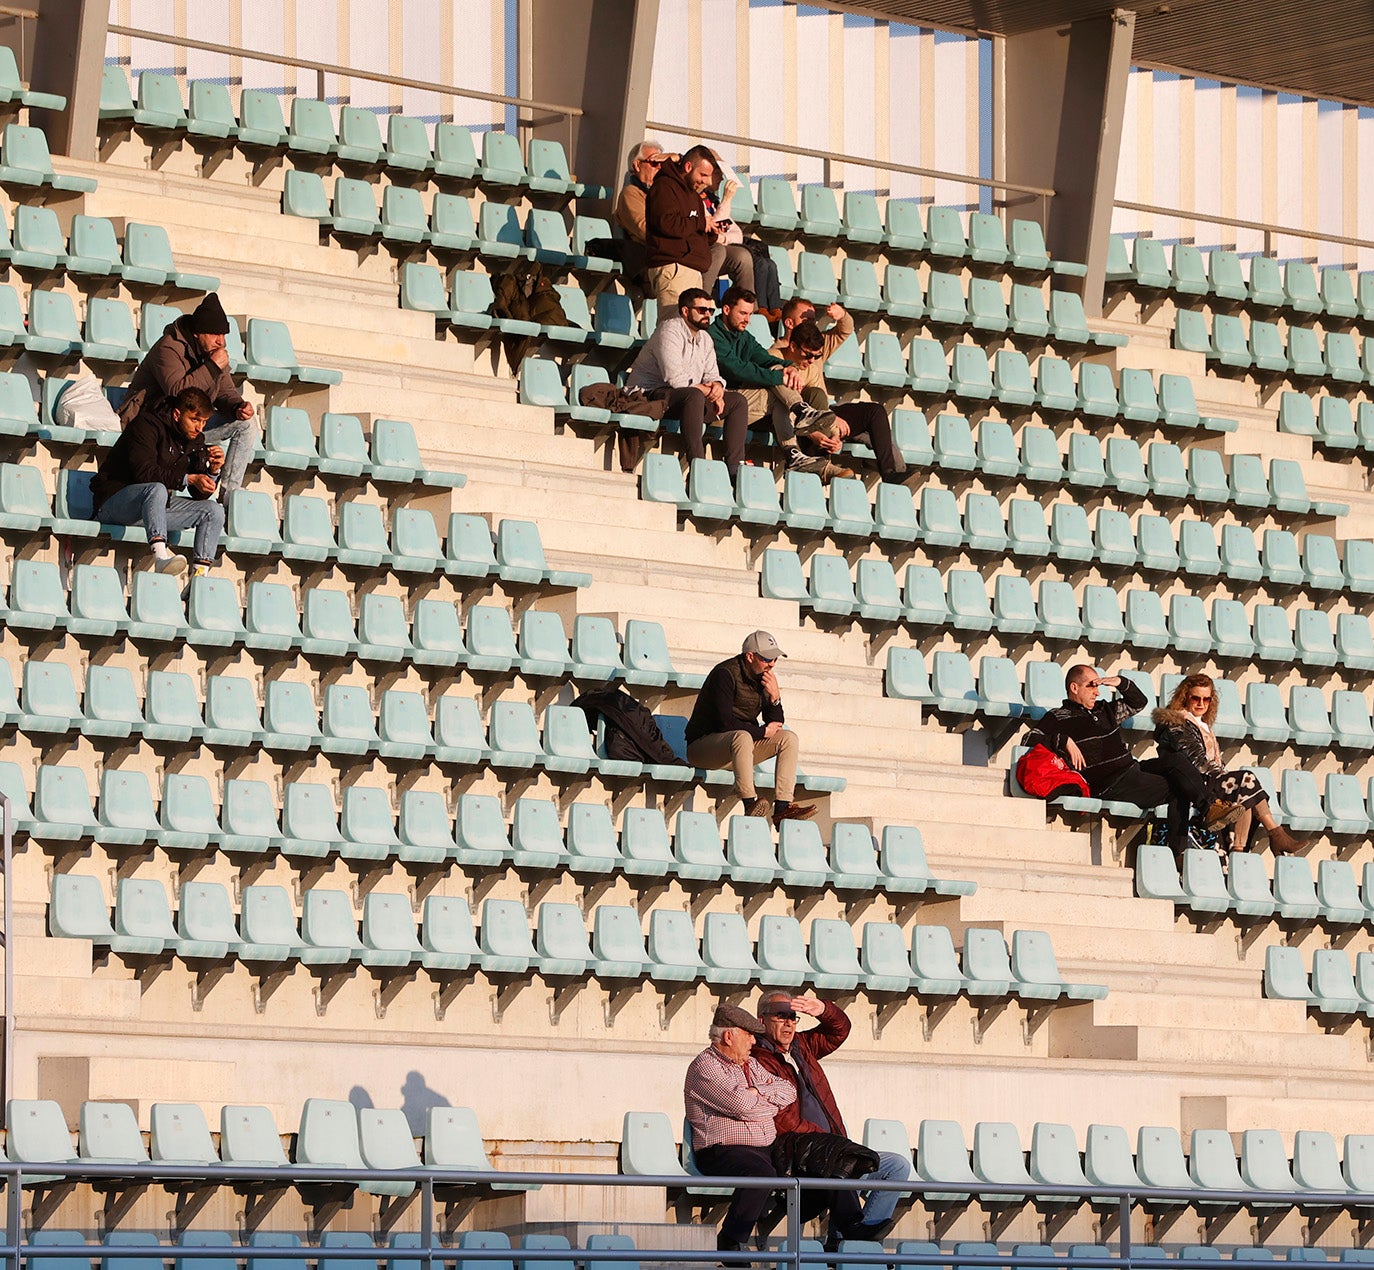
point(822, 1155)
point(731, 700)
point(631, 733)
point(807, 1050)
point(675, 222)
point(175, 363)
point(1174, 731)
point(151, 449)
point(1096, 732)
point(743, 361)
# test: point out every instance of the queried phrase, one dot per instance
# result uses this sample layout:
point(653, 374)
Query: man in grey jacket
point(678, 364)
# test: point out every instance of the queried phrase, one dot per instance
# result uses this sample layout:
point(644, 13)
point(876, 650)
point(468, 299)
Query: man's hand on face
point(809, 1004)
point(768, 681)
point(220, 356)
point(198, 481)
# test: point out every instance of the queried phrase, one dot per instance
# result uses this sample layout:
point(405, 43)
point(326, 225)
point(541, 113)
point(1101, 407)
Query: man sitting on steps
point(737, 722)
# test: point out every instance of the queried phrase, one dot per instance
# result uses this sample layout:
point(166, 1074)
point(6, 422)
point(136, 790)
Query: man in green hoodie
point(768, 384)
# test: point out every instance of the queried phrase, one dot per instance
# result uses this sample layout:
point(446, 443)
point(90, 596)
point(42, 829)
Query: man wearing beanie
point(191, 354)
point(738, 722)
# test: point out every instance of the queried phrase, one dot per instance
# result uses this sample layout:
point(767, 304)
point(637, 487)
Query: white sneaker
point(173, 565)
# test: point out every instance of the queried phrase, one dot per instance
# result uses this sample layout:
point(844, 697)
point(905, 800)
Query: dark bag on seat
point(822, 1155)
point(631, 733)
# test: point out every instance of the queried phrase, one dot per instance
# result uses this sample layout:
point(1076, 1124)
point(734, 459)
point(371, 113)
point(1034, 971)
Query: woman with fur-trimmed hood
point(1185, 726)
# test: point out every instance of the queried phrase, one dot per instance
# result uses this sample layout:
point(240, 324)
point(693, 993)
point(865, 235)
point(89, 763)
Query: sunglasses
point(1199, 697)
point(702, 308)
point(810, 357)
point(789, 1015)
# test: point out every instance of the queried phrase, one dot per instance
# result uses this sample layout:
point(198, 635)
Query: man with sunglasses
point(806, 347)
point(737, 722)
point(796, 1057)
point(678, 365)
point(1086, 733)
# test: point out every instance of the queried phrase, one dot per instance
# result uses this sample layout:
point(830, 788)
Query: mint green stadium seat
point(455, 157)
point(78, 911)
point(53, 327)
point(911, 437)
point(109, 332)
point(271, 619)
point(1027, 312)
point(307, 529)
point(710, 494)
point(1265, 283)
point(831, 590)
point(289, 717)
point(25, 162)
point(520, 557)
point(1239, 555)
point(1337, 293)
point(1027, 532)
point(1313, 638)
point(330, 933)
point(905, 676)
point(987, 240)
point(647, 660)
point(984, 528)
point(1192, 335)
point(815, 279)
point(945, 301)
point(147, 250)
point(782, 952)
point(853, 858)
point(1305, 358)
point(1102, 620)
point(595, 651)
point(1309, 717)
point(1156, 546)
point(1344, 804)
point(451, 226)
point(1287, 488)
point(1264, 713)
point(360, 137)
point(37, 600)
point(447, 939)
point(697, 848)
point(862, 224)
point(1280, 559)
point(749, 852)
point(310, 825)
point(644, 843)
point(970, 375)
point(1114, 541)
point(502, 162)
point(929, 374)
point(1341, 360)
point(39, 245)
point(661, 480)
point(110, 706)
point(407, 144)
point(1187, 271)
point(846, 362)
point(776, 206)
point(232, 716)
point(482, 837)
point(951, 683)
point(362, 535)
point(561, 942)
point(924, 595)
point(902, 294)
point(997, 453)
point(618, 950)
point(1013, 606)
point(1300, 287)
point(24, 503)
point(1055, 389)
point(490, 641)
point(1058, 611)
point(355, 209)
point(172, 707)
point(1187, 626)
point(311, 129)
point(999, 688)
point(1231, 632)
point(403, 219)
point(1337, 891)
point(902, 223)
point(1248, 483)
point(213, 612)
point(327, 626)
point(894, 513)
point(834, 958)
point(1335, 422)
point(93, 249)
point(885, 966)
point(801, 855)
point(1354, 641)
point(883, 361)
point(1273, 634)
point(252, 527)
point(859, 291)
point(347, 724)
point(1350, 720)
point(939, 517)
point(1156, 875)
point(945, 233)
point(1145, 624)
point(876, 592)
point(568, 745)
point(1321, 563)
point(271, 356)
point(506, 945)
point(1096, 391)
point(1124, 467)
point(543, 644)
point(1284, 976)
point(987, 307)
point(514, 736)
point(953, 443)
point(1267, 352)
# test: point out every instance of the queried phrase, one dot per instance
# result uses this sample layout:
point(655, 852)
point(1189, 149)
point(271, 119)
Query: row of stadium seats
point(1247, 891)
point(1189, 272)
point(94, 255)
point(1332, 421)
point(942, 1157)
point(26, 169)
point(1000, 692)
point(1334, 989)
point(962, 600)
point(844, 511)
point(560, 945)
point(1304, 354)
point(332, 1134)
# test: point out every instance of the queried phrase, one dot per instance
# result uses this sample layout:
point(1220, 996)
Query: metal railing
point(17, 1249)
point(830, 157)
point(321, 69)
point(1267, 228)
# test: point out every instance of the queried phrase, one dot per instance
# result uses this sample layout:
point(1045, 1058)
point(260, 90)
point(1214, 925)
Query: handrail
point(1266, 227)
point(833, 156)
point(322, 69)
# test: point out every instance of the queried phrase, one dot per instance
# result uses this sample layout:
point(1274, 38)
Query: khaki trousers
point(739, 750)
point(667, 282)
point(773, 403)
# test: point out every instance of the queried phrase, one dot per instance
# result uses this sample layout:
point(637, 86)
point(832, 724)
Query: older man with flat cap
point(738, 722)
point(731, 1102)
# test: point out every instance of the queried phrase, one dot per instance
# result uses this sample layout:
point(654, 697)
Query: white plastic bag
point(82, 404)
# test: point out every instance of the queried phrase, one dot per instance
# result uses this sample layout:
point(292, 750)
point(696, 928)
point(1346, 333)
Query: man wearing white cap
point(738, 722)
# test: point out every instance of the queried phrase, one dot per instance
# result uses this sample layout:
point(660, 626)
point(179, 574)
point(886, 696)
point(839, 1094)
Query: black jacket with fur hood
point(1174, 730)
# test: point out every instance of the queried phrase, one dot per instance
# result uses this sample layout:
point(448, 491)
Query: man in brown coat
point(192, 354)
point(679, 231)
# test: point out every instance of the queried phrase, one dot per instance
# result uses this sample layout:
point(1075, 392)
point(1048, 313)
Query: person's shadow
point(360, 1098)
point(416, 1100)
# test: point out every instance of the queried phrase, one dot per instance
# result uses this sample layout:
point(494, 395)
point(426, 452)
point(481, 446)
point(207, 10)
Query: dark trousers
point(689, 406)
point(746, 1207)
point(868, 421)
point(1166, 777)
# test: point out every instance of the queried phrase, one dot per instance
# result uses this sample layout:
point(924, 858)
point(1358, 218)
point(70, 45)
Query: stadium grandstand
point(337, 932)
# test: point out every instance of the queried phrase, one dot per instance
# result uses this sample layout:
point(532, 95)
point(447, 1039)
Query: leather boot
point(1284, 843)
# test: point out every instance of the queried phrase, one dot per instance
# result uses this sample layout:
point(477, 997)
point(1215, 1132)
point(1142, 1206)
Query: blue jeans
point(159, 511)
point(238, 438)
point(880, 1205)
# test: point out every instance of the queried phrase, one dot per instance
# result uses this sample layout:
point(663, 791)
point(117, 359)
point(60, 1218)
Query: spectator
point(731, 1100)
point(678, 365)
point(728, 252)
point(806, 347)
point(725, 728)
point(191, 354)
point(797, 1058)
point(1184, 727)
point(1086, 733)
point(162, 451)
point(677, 226)
point(768, 384)
point(645, 160)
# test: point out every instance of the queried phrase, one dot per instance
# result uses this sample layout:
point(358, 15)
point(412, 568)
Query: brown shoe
point(1220, 814)
point(758, 807)
point(1284, 843)
point(794, 811)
